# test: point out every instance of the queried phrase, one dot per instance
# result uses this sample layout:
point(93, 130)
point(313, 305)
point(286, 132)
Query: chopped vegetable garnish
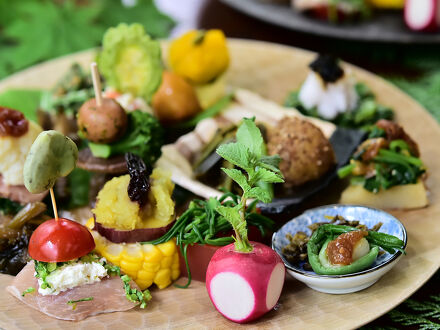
point(28, 290)
point(73, 302)
point(135, 295)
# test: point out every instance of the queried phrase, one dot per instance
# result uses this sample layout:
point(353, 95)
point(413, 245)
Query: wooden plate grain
point(272, 70)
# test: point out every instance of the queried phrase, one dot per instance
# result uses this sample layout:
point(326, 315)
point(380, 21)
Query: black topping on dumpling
point(327, 66)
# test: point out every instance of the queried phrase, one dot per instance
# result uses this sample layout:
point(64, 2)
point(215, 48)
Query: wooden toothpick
point(54, 204)
point(96, 83)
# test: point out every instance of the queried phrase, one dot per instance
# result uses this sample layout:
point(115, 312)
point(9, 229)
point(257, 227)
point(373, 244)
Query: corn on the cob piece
point(146, 264)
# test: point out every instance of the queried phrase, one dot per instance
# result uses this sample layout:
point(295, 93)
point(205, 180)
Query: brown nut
point(103, 124)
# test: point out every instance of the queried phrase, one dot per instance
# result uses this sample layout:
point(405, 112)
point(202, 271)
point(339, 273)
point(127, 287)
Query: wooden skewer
point(54, 204)
point(96, 84)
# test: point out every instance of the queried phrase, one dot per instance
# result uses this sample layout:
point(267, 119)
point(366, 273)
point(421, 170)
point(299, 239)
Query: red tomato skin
point(60, 241)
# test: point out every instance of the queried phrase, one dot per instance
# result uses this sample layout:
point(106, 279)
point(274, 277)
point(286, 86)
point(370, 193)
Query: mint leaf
point(260, 194)
point(236, 154)
point(249, 154)
point(232, 214)
point(270, 162)
point(248, 134)
point(265, 175)
point(238, 177)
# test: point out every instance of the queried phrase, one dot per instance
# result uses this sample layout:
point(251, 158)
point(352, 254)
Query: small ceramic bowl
point(340, 284)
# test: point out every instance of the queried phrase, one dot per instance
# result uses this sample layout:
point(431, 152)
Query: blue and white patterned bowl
point(339, 284)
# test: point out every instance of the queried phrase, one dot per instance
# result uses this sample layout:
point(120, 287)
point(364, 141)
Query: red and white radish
point(422, 15)
point(245, 285)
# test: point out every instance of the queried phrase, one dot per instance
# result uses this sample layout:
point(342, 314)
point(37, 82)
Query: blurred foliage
point(425, 89)
point(36, 30)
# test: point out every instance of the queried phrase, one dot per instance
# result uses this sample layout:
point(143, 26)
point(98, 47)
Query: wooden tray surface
point(272, 70)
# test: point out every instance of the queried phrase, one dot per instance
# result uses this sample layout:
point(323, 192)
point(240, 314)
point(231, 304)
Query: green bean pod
point(322, 266)
point(317, 245)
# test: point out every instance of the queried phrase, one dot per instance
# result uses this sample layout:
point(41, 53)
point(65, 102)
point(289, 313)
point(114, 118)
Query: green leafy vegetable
point(201, 223)
point(317, 244)
point(144, 138)
point(112, 270)
point(392, 165)
point(367, 112)
point(74, 302)
point(71, 91)
point(24, 100)
point(28, 290)
point(248, 154)
point(134, 294)
point(130, 60)
point(44, 18)
point(67, 26)
point(43, 270)
point(9, 207)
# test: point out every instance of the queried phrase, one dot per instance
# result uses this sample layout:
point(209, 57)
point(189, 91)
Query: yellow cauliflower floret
point(114, 208)
point(13, 152)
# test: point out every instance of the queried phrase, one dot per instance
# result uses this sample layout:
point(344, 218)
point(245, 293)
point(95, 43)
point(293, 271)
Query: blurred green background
point(32, 31)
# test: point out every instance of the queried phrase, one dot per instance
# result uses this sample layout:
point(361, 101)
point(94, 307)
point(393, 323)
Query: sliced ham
point(19, 193)
point(108, 296)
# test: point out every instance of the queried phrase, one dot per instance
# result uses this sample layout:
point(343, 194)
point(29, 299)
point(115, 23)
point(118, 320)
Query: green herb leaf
point(74, 302)
point(248, 154)
point(232, 214)
point(238, 177)
point(249, 135)
point(260, 194)
point(236, 154)
point(270, 162)
point(112, 270)
point(265, 175)
point(135, 295)
point(28, 290)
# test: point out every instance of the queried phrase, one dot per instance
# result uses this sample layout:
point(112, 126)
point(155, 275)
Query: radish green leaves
point(248, 153)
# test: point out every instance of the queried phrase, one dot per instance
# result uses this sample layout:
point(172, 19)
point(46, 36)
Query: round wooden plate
point(272, 70)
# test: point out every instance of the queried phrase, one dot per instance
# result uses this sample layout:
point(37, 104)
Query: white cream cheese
point(72, 275)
